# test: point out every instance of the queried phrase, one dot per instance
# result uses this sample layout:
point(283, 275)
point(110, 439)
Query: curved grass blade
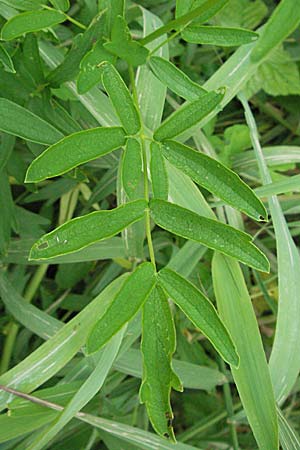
point(188, 115)
point(121, 99)
point(30, 21)
point(200, 311)
point(215, 177)
point(176, 80)
point(252, 377)
point(222, 36)
point(19, 121)
point(124, 306)
point(289, 439)
point(54, 354)
point(84, 394)
point(132, 168)
point(208, 232)
point(158, 345)
point(83, 231)
point(159, 175)
point(285, 357)
point(282, 22)
point(73, 150)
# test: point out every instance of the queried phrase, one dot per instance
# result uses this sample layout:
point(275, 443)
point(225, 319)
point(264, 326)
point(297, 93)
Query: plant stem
point(145, 167)
point(14, 327)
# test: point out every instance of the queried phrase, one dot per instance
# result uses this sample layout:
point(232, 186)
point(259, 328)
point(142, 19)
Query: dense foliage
point(149, 158)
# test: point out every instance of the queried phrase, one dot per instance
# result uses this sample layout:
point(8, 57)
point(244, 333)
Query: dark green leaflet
point(175, 79)
point(225, 37)
point(211, 233)
point(30, 21)
point(124, 306)
point(158, 346)
point(188, 115)
point(121, 99)
point(200, 311)
point(83, 231)
point(159, 175)
point(73, 150)
point(215, 177)
point(132, 167)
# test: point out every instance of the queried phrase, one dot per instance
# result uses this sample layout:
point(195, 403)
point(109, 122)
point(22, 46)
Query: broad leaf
point(211, 233)
point(132, 167)
point(225, 37)
point(6, 60)
point(121, 99)
point(215, 177)
point(73, 150)
point(83, 231)
point(159, 175)
point(282, 22)
point(123, 46)
point(63, 5)
point(30, 21)
point(176, 80)
point(124, 306)
point(18, 121)
point(158, 346)
point(200, 311)
point(252, 377)
point(188, 115)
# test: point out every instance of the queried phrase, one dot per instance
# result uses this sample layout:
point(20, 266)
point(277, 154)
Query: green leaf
point(7, 145)
point(224, 37)
point(24, 4)
point(208, 232)
point(29, 22)
point(252, 377)
point(83, 231)
point(207, 8)
point(282, 22)
point(90, 69)
point(73, 150)
point(132, 167)
point(18, 121)
point(176, 80)
point(188, 115)
point(121, 98)
point(159, 175)
point(123, 46)
point(200, 311)
point(289, 439)
point(113, 8)
point(6, 60)
point(215, 177)
point(124, 306)
point(7, 212)
point(158, 346)
point(62, 5)
point(277, 75)
point(242, 13)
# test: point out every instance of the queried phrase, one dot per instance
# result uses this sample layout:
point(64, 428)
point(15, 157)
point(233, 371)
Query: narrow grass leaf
point(208, 232)
point(289, 439)
point(252, 377)
point(19, 121)
point(158, 345)
point(215, 177)
point(285, 356)
point(201, 313)
point(176, 80)
point(121, 99)
point(74, 150)
point(222, 36)
point(159, 175)
point(124, 306)
point(85, 230)
point(6, 60)
point(54, 354)
point(132, 167)
point(281, 24)
point(84, 394)
point(29, 22)
point(188, 115)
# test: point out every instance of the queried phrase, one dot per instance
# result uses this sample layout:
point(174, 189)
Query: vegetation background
point(52, 85)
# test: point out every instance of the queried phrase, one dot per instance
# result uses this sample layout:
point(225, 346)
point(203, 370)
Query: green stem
point(13, 327)
point(145, 166)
